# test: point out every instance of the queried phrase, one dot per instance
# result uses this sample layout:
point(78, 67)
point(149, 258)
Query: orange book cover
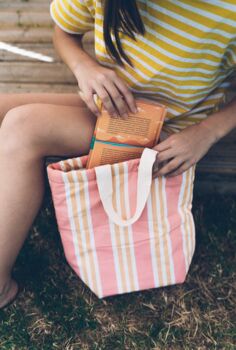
point(116, 139)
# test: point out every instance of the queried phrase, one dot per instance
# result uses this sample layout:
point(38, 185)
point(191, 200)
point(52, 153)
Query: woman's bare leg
point(29, 133)
point(9, 101)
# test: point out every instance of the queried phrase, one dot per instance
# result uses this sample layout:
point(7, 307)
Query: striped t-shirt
point(184, 60)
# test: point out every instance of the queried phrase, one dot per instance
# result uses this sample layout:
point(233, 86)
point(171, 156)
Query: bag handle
point(104, 183)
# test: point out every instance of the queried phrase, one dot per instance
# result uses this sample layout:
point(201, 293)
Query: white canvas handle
point(104, 182)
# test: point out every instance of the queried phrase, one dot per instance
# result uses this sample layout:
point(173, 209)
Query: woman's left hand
point(182, 150)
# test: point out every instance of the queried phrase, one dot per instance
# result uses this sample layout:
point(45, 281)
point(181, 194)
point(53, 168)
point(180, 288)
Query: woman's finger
point(117, 99)
point(163, 145)
point(127, 94)
point(185, 166)
point(165, 155)
point(154, 175)
point(170, 166)
point(87, 97)
point(105, 98)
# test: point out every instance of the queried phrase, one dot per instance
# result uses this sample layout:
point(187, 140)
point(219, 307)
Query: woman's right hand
point(110, 88)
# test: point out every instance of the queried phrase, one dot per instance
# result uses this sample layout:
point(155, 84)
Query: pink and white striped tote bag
point(121, 230)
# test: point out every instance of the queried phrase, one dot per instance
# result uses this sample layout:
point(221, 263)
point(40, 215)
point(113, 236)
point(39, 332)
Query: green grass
point(57, 311)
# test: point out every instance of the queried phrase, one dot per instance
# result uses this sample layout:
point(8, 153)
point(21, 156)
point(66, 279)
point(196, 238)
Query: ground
point(56, 310)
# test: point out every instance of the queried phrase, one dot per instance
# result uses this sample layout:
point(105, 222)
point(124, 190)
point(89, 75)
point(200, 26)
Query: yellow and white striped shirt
point(184, 60)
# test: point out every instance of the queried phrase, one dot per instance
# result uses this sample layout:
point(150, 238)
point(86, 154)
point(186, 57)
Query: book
point(116, 139)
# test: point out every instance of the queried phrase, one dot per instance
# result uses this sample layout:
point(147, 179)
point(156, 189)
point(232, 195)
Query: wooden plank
point(222, 150)
point(213, 183)
point(40, 72)
point(211, 167)
point(36, 36)
point(11, 3)
point(221, 158)
point(44, 49)
point(25, 5)
point(33, 87)
point(25, 18)
point(26, 35)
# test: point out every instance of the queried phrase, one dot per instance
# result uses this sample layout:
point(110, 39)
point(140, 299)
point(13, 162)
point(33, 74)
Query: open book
point(116, 139)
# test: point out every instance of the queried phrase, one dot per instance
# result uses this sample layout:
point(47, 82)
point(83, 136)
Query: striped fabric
point(154, 251)
point(184, 60)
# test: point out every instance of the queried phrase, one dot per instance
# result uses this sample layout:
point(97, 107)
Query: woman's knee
point(5, 105)
point(19, 132)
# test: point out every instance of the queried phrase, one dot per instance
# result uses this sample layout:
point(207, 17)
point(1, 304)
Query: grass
point(57, 311)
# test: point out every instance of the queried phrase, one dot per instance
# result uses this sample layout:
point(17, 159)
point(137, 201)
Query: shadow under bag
point(121, 230)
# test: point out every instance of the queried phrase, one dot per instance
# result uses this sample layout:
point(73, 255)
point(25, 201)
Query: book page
point(117, 139)
point(142, 128)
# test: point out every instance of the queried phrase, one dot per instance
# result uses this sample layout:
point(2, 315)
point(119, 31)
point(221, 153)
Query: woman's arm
point(221, 122)
point(92, 77)
point(69, 48)
point(184, 149)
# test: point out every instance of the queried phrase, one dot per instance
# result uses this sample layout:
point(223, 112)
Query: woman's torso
point(185, 58)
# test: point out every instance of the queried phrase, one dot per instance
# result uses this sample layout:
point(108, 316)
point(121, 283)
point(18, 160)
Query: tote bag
point(121, 230)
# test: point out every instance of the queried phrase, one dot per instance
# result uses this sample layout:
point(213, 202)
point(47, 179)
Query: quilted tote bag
point(121, 230)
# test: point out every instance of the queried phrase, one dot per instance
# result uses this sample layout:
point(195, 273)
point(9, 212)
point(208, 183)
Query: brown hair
point(120, 15)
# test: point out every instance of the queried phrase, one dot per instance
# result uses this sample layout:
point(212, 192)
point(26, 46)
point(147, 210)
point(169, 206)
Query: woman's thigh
point(48, 129)
point(9, 101)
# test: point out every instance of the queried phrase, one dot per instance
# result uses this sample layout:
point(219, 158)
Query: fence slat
point(35, 72)
point(33, 87)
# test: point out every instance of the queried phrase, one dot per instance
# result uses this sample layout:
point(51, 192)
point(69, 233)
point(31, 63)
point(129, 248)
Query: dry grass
point(57, 311)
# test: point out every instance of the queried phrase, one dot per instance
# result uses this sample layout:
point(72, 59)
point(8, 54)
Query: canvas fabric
point(121, 230)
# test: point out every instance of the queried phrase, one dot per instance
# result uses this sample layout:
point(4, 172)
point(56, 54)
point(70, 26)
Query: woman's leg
point(9, 101)
point(29, 133)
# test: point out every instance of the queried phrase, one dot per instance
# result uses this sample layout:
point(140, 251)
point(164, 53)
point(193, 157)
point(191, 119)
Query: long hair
point(120, 15)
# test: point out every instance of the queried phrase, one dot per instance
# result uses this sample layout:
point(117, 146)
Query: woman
point(180, 53)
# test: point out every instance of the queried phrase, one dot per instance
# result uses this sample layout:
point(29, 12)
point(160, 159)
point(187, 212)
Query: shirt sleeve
point(72, 16)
